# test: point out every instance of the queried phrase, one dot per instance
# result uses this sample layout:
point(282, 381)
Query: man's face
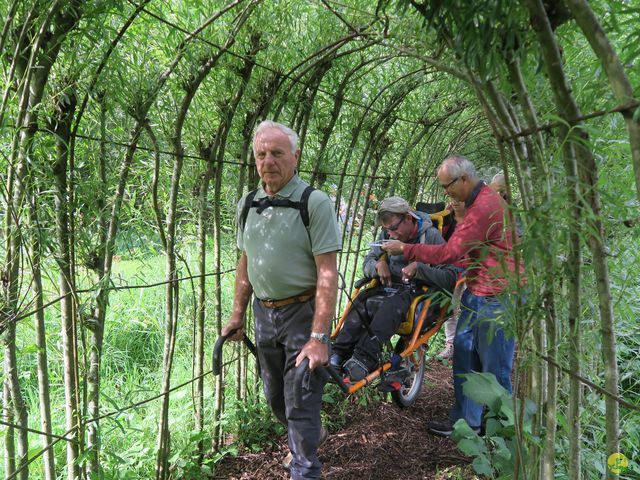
point(274, 160)
point(458, 207)
point(455, 187)
point(399, 227)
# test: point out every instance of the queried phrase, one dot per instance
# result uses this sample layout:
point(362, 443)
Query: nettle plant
point(507, 432)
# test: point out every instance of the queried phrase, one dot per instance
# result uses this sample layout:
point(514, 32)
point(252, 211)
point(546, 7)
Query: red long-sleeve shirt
point(482, 237)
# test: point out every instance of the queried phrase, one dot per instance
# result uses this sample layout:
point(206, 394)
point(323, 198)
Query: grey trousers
point(280, 334)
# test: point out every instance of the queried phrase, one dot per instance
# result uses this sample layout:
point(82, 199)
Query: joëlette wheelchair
point(402, 360)
point(402, 365)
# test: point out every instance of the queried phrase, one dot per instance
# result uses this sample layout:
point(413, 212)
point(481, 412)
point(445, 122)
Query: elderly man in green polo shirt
point(289, 238)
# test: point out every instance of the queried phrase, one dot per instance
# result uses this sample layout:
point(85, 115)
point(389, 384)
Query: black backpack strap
point(247, 205)
point(266, 202)
point(304, 205)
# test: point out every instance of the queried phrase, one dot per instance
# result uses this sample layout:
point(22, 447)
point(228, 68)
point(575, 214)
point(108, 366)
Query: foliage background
point(380, 92)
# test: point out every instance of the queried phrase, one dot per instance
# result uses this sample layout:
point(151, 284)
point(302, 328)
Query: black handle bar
point(301, 377)
point(217, 351)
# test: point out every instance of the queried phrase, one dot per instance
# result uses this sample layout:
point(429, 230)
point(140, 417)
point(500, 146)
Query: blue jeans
point(480, 345)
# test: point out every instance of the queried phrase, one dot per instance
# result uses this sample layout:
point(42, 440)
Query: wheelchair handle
point(362, 282)
point(303, 371)
point(217, 351)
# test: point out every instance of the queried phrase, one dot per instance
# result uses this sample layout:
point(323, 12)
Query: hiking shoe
point(447, 352)
point(355, 369)
point(444, 428)
point(324, 434)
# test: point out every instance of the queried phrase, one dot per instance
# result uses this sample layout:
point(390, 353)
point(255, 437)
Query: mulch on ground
point(380, 441)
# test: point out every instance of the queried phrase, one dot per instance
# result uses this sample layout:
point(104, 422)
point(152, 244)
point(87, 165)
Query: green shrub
point(251, 423)
point(495, 453)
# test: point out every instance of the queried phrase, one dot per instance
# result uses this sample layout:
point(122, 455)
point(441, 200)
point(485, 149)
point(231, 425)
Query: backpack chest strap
point(266, 202)
point(261, 204)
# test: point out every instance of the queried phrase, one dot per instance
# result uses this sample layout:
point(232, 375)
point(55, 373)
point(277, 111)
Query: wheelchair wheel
point(412, 383)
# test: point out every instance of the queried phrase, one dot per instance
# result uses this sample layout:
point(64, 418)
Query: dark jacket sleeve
point(440, 276)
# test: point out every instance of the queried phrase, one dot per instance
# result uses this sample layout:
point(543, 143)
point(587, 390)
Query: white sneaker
point(447, 353)
point(324, 434)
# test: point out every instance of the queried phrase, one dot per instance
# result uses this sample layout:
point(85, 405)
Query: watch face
point(321, 337)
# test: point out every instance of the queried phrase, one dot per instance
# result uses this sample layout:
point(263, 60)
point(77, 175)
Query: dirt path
point(379, 442)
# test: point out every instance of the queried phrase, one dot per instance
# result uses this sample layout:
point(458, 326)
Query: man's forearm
point(243, 290)
point(325, 309)
point(326, 292)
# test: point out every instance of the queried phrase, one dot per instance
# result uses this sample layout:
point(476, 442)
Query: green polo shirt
point(280, 250)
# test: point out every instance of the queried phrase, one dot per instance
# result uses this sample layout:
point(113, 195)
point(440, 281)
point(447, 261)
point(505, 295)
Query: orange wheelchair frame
point(410, 330)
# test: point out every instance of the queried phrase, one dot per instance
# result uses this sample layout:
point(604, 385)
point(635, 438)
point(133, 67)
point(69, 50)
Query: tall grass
point(131, 367)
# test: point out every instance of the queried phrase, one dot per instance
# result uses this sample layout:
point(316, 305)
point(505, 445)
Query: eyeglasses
point(394, 227)
point(444, 187)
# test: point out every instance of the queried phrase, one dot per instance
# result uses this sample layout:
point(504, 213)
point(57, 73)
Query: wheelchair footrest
point(392, 380)
point(388, 387)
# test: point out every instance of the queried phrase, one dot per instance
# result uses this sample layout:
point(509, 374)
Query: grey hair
point(458, 165)
point(266, 124)
point(499, 179)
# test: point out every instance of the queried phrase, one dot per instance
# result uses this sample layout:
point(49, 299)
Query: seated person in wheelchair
point(354, 349)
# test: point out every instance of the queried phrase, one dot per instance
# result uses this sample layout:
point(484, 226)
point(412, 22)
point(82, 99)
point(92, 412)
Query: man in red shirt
point(481, 343)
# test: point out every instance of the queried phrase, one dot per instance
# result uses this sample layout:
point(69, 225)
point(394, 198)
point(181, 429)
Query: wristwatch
point(321, 337)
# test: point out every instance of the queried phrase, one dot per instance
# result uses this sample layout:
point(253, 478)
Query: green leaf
point(33, 348)
point(530, 410)
point(328, 398)
point(492, 427)
point(33, 452)
point(501, 449)
point(508, 430)
point(461, 429)
point(506, 409)
point(196, 436)
point(472, 447)
point(482, 466)
point(483, 388)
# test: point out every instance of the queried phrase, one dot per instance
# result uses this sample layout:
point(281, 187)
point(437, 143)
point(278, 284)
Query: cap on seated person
point(397, 205)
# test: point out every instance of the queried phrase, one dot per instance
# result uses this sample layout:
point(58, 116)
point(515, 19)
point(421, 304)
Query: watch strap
point(321, 337)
